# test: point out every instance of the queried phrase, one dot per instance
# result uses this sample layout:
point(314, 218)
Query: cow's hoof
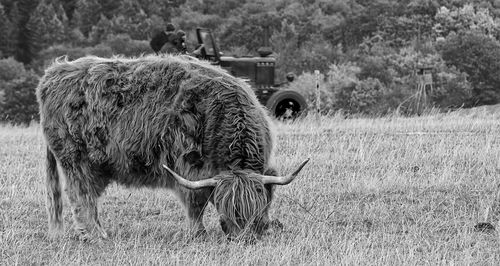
point(55, 234)
point(56, 231)
point(104, 234)
point(84, 235)
point(86, 238)
point(276, 224)
point(199, 234)
point(248, 239)
point(484, 228)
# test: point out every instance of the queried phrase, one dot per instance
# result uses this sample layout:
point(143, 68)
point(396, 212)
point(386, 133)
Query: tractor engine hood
point(260, 70)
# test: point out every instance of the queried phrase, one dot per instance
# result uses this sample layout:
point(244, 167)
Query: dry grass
point(386, 191)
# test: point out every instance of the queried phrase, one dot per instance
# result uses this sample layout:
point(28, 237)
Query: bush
point(380, 83)
point(342, 90)
point(76, 52)
point(305, 84)
point(363, 96)
point(20, 105)
point(477, 55)
point(11, 69)
point(343, 75)
point(452, 90)
point(48, 55)
point(355, 91)
point(375, 67)
point(114, 44)
point(124, 45)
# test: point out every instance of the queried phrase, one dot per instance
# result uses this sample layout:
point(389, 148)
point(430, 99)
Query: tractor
point(260, 73)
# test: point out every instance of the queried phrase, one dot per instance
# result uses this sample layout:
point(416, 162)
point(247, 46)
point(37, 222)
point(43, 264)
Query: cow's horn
point(283, 180)
point(210, 182)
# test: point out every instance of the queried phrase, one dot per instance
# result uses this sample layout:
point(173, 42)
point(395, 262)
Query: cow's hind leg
point(53, 196)
point(83, 191)
point(96, 223)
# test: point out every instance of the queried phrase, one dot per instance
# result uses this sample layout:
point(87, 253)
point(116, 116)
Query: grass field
point(385, 191)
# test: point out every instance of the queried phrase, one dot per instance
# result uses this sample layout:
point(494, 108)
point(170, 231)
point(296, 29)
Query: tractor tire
point(286, 104)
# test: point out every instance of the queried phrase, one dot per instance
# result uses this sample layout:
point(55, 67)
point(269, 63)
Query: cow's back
point(132, 115)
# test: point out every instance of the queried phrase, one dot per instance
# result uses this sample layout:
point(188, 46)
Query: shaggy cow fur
point(120, 119)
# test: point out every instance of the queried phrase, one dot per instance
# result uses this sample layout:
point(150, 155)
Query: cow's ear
point(271, 171)
point(194, 158)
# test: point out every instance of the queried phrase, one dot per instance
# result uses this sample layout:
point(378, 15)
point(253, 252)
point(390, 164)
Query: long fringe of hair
point(237, 196)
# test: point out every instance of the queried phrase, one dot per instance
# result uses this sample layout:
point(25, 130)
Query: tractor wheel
point(286, 104)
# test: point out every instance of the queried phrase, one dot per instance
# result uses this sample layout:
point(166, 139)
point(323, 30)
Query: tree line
point(367, 51)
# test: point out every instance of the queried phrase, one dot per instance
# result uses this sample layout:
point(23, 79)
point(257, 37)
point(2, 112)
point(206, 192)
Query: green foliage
point(215, 7)
point(361, 97)
point(86, 14)
point(21, 12)
point(101, 30)
point(375, 67)
point(376, 44)
point(382, 81)
point(124, 45)
point(352, 94)
point(306, 85)
point(189, 20)
point(342, 90)
point(18, 104)
point(453, 90)
point(465, 19)
point(49, 54)
point(113, 45)
point(10, 70)
point(6, 33)
point(316, 54)
point(45, 27)
point(250, 30)
point(477, 55)
point(285, 44)
point(132, 20)
point(13, 39)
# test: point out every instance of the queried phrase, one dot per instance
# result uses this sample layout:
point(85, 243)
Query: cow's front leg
point(83, 201)
point(266, 221)
point(195, 203)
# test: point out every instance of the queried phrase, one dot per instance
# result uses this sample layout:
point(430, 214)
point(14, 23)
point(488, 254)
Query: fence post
point(318, 99)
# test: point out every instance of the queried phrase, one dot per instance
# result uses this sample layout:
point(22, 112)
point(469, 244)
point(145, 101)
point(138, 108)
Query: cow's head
point(240, 197)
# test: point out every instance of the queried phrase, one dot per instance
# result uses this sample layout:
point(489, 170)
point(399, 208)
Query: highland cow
point(170, 122)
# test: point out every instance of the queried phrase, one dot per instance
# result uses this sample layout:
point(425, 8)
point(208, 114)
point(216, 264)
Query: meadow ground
point(385, 191)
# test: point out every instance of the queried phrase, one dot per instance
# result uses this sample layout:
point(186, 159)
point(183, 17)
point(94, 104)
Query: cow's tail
point(53, 193)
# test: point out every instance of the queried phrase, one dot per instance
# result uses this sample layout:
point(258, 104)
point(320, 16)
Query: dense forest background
point(368, 51)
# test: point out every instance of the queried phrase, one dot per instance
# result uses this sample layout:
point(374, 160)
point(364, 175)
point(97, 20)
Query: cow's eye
point(223, 225)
